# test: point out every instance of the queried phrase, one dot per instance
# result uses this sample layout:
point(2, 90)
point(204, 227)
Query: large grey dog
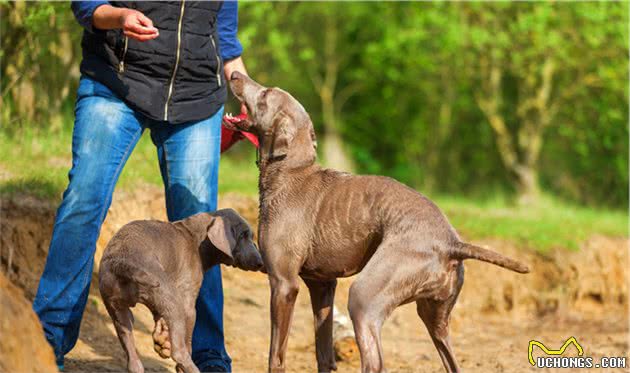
point(161, 265)
point(320, 224)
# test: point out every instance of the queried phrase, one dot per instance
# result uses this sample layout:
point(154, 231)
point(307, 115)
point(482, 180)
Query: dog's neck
point(280, 178)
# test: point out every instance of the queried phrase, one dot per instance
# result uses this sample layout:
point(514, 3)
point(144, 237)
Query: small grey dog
point(161, 265)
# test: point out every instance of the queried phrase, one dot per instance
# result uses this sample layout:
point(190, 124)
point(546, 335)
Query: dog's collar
point(261, 147)
point(267, 160)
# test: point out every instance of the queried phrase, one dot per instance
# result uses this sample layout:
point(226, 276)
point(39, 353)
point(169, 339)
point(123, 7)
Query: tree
point(40, 56)
point(313, 46)
point(532, 48)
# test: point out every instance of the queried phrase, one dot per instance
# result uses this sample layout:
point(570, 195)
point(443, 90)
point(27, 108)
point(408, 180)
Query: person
point(155, 66)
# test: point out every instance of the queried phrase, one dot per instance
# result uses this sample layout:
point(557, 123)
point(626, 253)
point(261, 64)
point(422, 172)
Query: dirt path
point(580, 294)
point(482, 342)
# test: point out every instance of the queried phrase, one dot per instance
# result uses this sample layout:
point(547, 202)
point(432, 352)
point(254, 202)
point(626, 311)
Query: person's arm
point(84, 10)
point(231, 48)
point(101, 15)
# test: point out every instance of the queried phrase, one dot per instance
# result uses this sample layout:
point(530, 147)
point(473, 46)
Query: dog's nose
point(235, 75)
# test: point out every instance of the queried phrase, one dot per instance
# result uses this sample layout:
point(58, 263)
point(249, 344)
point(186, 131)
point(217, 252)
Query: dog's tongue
point(230, 137)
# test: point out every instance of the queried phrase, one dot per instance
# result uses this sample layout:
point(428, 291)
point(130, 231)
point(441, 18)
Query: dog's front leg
point(322, 300)
point(284, 291)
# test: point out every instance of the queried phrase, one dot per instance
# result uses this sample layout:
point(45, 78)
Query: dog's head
point(283, 127)
point(233, 237)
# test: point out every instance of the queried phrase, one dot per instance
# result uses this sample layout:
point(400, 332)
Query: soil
point(582, 294)
point(23, 347)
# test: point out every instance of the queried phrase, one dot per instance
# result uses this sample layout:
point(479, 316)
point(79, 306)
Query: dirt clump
point(25, 230)
point(23, 347)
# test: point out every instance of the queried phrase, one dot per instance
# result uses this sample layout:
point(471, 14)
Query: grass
point(548, 224)
point(37, 164)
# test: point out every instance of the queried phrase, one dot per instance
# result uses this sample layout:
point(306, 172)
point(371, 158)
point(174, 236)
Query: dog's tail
point(468, 251)
point(132, 272)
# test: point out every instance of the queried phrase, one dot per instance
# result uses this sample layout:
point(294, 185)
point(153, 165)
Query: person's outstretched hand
point(138, 26)
point(133, 23)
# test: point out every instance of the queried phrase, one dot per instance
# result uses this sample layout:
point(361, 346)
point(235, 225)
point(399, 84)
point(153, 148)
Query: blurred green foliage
point(474, 99)
point(412, 80)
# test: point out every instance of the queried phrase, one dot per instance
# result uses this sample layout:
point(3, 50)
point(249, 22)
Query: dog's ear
point(221, 236)
point(284, 132)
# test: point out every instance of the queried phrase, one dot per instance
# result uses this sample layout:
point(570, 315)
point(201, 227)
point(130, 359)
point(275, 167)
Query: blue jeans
point(105, 132)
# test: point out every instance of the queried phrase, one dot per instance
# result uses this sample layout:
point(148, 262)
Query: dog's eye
point(265, 92)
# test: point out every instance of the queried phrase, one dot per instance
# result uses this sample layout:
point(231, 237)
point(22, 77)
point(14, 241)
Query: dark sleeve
point(83, 11)
point(227, 21)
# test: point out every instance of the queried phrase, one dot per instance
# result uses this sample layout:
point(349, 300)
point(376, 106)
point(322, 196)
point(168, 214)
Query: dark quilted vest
point(148, 75)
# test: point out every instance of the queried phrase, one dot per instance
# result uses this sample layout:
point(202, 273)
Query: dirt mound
point(563, 282)
point(22, 345)
point(25, 229)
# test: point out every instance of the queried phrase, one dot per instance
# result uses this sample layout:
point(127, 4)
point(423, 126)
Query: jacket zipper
point(179, 44)
point(121, 64)
point(218, 60)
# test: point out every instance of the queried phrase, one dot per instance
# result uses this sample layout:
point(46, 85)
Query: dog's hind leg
point(382, 285)
point(123, 322)
point(178, 327)
point(176, 314)
point(435, 313)
point(322, 299)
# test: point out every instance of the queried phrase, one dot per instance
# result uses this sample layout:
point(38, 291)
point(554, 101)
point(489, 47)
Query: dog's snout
point(258, 263)
point(249, 259)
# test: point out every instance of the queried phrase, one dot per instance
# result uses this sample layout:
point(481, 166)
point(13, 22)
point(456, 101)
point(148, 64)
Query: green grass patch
point(548, 224)
point(37, 163)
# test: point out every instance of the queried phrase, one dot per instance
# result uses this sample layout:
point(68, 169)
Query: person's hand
point(133, 23)
point(138, 26)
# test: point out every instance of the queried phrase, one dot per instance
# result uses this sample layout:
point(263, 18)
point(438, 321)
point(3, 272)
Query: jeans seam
point(118, 169)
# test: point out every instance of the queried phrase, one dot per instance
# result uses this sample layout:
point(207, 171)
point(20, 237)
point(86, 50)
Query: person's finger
point(140, 37)
point(137, 28)
point(146, 21)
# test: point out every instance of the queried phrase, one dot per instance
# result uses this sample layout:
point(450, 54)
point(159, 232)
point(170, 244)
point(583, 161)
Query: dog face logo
point(560, 351)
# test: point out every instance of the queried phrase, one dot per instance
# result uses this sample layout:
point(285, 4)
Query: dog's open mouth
point(237, 123)
point(242, 124)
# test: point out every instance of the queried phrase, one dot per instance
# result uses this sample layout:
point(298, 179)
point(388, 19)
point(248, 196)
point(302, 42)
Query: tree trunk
point(519, 152)
point(335, 155)
point(527, 185)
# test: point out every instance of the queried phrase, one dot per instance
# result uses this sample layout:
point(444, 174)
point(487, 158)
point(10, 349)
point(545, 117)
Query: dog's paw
point(161, 340)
